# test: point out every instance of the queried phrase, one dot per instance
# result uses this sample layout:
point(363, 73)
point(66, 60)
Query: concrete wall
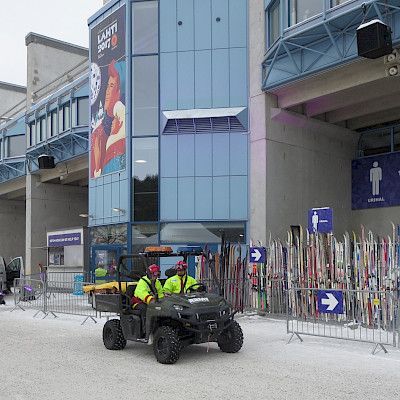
point(51, 63)
point(10, 96)
point(12, 229)
point(296, 162)
point(48, 207)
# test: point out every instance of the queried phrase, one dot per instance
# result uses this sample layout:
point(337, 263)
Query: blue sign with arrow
point(257, 255)
point(320, 220)
point(330, 301)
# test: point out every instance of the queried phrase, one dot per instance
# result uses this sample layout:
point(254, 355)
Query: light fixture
point(140, 161)
point(83, 215)
point(119, 210)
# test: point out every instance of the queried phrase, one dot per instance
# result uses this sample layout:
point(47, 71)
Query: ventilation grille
point(203, 125)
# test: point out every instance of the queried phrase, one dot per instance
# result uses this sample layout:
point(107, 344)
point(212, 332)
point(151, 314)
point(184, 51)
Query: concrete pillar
point(258, 128)
point(48, 207)
point(12, 228)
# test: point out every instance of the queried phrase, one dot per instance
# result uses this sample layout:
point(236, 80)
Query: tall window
point(41, 129)
point(16, 146)
point(53, 123)
point(145, 179)
point(83, 111)
point(145, 95)
point(31, 133)
point(274, 22)
point(64, 117)
point(145, 27)
point(300, 10)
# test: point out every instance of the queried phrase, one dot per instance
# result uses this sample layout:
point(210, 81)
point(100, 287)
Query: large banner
point(107, 95)
point(376, 181)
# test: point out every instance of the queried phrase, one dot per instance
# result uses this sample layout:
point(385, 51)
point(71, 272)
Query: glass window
point(53, 127)
point(145, 95)
point(31, 133)
point(64, 117)
point(1, 149)
point(74, 113)
point(111, 234)
point(202, 232)
point(145, 27)
point(83, 111)
point(145, 179)
point(16, 146)
point(41, 130)
point(337, 2)
point(274, 22)
point(300, 10)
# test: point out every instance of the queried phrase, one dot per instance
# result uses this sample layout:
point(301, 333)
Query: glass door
point(104, 262)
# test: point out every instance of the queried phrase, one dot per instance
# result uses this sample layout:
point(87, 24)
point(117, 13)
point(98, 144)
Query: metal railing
point(363, 315)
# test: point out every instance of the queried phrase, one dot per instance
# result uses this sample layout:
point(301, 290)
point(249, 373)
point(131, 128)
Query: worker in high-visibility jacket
point(180, 282)
point(148, 289)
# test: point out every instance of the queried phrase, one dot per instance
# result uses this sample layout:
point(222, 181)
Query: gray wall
point(51, 63)
point(12, 229)
point(378, 220)
point(11, 95)
point(49, 207)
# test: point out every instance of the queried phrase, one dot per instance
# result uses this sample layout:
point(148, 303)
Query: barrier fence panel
point(357, 315)
point(29, 294)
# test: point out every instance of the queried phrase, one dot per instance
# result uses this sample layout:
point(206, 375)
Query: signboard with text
point(376, 181)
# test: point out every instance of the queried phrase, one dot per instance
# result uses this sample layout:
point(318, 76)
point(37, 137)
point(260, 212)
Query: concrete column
point(48, 207)
point(258, 128)
point(12, 228)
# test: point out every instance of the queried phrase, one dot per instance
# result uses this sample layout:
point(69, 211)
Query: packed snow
point(57, 358)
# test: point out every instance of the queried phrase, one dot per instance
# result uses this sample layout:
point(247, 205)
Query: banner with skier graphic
point(376, 181)
point(107, 95)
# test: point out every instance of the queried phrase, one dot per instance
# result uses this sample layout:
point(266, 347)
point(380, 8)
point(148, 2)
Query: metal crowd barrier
point(55, 297)
point(363, 315)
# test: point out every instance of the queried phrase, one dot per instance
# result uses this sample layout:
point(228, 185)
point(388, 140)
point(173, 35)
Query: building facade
point(190, 119)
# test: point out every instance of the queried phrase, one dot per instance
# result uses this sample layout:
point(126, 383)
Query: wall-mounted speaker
point(374, 39)
point(46, 162)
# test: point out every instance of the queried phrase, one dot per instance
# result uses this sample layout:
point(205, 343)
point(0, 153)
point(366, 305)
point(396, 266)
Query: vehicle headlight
point(178, 307)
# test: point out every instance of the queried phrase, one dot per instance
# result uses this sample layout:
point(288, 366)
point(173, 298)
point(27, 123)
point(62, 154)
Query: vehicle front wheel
point(166, 345)
point(113, 337)
point(231, 339)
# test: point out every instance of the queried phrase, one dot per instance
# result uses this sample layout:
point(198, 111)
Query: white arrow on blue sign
point(330, 301)
point(257, 255)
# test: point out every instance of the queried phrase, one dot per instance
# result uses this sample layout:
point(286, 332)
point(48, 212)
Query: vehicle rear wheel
point(166, 345)
point(231, 339)
point(113, 337)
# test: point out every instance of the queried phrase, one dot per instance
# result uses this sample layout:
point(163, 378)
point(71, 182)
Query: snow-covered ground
point(60, 359)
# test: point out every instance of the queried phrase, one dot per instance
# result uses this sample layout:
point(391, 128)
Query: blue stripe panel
point(115, 188)
point(220, 154)
point(82, 91)
point(238, 154)
point(203, 79)
point(99, 203)
point(168, 199)
point(238, 197)
point(185, 198)
point(168, 24)
point(169, 156)
point(107, 179)
point(203, 198)
point(203, 154)
point(17, 129)
point(238, 23)
point(168, 81)
point(186, 155)
point(186, 29)
point(220, 33)
point(221, 197)
point(92, 202)
point(186, 80)
point(220, 78)
point(238, 77)
point(124, 199)
point(107, 201)
point(202, 24)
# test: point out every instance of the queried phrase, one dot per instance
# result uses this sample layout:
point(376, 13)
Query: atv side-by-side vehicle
point(173, 322)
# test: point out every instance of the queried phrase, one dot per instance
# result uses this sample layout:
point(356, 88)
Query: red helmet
point(153, 270)
point(181, 266)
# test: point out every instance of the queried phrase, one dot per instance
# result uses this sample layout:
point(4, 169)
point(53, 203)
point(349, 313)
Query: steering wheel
point(201, 287)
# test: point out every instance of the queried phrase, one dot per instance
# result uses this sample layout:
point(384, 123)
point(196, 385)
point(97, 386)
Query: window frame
point(275, 4)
